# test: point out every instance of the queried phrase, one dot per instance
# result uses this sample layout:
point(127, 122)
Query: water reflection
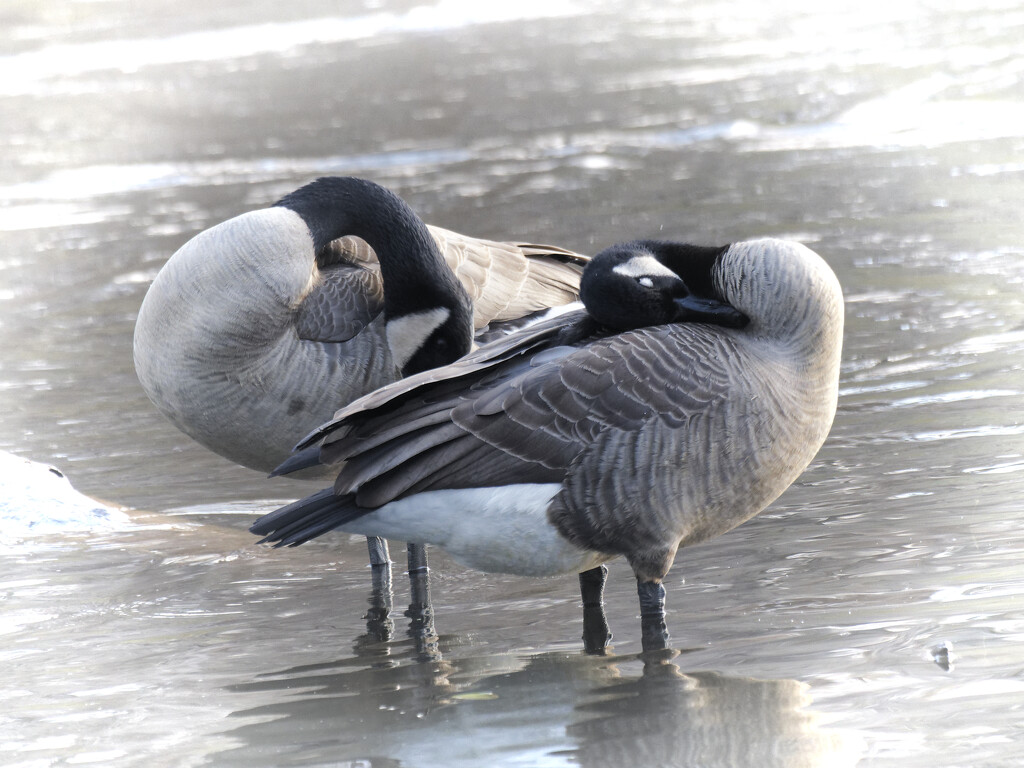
point(670, 718)
point(543, 710)
point(420, 700)
point(380, 623)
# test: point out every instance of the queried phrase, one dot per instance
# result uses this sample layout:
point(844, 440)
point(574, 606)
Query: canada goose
point(258, 329)
point(699, 386)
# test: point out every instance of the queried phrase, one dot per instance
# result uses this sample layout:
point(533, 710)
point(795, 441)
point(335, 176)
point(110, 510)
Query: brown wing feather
point(506, 282)
point(373, 412)
point(531, 421)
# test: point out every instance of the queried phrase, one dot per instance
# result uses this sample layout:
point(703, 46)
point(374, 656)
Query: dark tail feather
point(306, 519)
point(302, 459)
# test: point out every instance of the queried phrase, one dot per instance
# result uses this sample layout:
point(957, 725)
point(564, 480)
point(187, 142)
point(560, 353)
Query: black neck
point(414, 272)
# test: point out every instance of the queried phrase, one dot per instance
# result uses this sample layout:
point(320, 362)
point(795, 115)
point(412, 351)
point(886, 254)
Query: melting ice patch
point(36, 498)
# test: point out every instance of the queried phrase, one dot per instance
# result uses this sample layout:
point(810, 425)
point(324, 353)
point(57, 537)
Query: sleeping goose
point(694, 389)
point(258, 329)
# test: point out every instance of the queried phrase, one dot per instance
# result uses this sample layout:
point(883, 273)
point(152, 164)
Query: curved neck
point(793, 299)
point(415, 274)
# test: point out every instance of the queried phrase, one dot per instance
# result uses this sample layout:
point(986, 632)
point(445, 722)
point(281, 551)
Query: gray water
point(873, 616)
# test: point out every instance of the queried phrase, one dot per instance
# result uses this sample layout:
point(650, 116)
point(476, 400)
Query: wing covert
point(520, 420)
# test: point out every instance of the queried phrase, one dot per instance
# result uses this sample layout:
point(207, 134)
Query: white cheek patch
point(407, 333)
point(643, 266)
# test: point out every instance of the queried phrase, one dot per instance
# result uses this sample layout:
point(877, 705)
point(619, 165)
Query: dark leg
point(595, 623)
point(378, 551)
point(417, 558)
point(379, 625)
point(421, 613)
point(654, 632)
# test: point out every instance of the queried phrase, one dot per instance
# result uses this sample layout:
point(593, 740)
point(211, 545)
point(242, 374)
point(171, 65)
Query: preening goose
point(258, 329)
point(699, 386)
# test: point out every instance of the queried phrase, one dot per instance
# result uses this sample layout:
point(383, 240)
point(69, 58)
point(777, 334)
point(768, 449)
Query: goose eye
point(646, 282)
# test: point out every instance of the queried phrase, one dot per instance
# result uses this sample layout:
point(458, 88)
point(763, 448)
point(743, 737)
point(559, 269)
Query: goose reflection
point(545, 709)
point(669, 718)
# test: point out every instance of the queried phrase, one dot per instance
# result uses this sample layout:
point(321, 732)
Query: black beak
point(694, 309)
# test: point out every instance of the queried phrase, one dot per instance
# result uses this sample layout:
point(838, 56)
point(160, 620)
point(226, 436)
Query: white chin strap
point(407, 333)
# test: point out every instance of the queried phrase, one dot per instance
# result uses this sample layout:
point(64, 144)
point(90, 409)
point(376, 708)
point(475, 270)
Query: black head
point(638, 284)
point(428, 314)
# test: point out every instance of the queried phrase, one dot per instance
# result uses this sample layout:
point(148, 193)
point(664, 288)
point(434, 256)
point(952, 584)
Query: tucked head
point(641, 283)
point(428, 314)
point(421, 339)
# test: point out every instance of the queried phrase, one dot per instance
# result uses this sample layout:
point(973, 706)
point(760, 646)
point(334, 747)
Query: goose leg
point(379, 625)
point(653, 630)
point(417, 554)
point(421, 613)
point(379, 554)
point(595, 622)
